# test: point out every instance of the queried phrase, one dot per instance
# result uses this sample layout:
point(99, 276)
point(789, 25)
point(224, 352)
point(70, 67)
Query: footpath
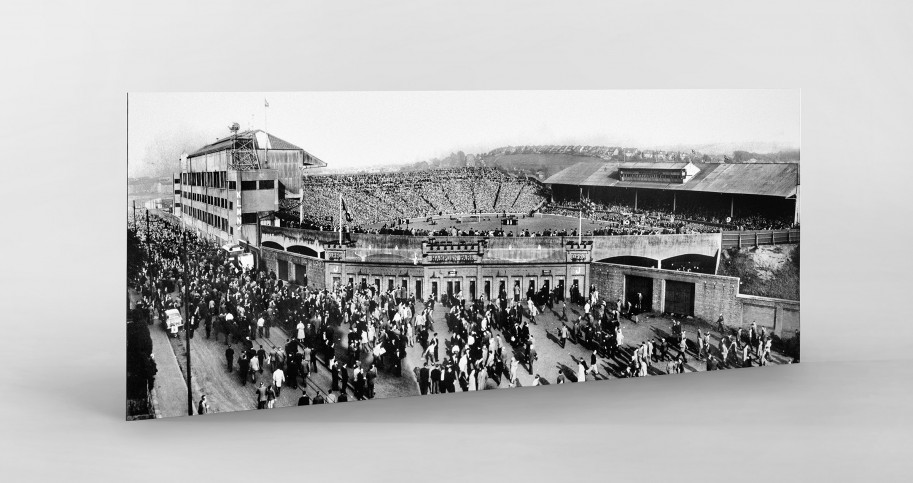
point(170, 396)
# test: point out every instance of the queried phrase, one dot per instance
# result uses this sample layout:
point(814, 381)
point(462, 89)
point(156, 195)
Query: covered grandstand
point(727, 194)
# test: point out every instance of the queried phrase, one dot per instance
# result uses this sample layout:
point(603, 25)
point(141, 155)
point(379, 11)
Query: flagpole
point(580, 219)
point(340, 218)
point(580, 226)
point(266, 129)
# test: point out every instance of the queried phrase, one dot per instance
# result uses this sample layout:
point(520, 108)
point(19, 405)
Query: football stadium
point(653, 227)
point(450, 276)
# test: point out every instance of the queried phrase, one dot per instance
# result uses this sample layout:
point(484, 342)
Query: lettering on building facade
point(452, 258)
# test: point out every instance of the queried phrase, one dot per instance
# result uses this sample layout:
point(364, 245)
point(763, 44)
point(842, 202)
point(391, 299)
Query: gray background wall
point(834, 417)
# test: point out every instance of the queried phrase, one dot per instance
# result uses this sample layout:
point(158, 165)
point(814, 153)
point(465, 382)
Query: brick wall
point(314, 268)
point(713, 295)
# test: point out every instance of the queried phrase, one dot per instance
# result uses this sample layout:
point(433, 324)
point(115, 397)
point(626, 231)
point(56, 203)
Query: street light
point(186, 325)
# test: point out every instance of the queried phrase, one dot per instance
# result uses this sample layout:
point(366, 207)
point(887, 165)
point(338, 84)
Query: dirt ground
point(769, 258)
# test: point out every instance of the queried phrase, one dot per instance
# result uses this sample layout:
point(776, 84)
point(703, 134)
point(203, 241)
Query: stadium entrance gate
point(301, 274)
point(679, 297)
point(453, 288)
point(639, 285)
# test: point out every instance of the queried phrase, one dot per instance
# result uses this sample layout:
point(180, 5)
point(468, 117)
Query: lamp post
point(187, 326)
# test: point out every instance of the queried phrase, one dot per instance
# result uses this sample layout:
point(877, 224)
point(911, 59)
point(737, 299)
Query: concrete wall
point(777, 315)
point(655, 247)
point(513, 249)
point(258, 200)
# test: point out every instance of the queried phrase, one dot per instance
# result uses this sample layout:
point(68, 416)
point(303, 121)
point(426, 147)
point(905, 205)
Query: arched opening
point(273, 245)
point(632, 261)
point(691, 263)
point(303, 250)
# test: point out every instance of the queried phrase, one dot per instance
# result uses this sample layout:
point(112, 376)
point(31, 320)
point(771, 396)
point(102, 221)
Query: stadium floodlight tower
point(243, 152)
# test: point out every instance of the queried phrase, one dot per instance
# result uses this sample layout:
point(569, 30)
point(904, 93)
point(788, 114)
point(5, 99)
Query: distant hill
point(540, 166)
point(546, 160)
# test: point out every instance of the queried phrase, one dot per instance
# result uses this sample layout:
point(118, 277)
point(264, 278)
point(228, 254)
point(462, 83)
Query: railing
point(739, 239)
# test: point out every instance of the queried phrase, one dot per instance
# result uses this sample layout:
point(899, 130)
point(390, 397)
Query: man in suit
point(343, 377)
point(243, 365)
point(261, 356)
point(261, 397)
point(334, 372)
point(371, 376)
point(229, 357)
point(435, 379)
point(424, 378)
point(304, 400)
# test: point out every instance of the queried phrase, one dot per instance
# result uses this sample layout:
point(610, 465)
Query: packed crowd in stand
point(392, 198)
point(655, 218)
point(373, 198)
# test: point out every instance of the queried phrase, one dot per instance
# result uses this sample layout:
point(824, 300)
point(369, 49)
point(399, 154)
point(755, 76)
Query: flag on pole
point(346, 211)
point(265, 102)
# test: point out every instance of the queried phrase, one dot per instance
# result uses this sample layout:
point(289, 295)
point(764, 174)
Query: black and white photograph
point(289, 249)
point(491, 241)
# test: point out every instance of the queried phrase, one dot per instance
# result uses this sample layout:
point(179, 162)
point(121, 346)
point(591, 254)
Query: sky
point(364, 129)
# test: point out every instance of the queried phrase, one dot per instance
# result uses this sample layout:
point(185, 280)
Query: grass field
point(493, 222)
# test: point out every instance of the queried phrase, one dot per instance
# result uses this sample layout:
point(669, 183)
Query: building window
point(232, 185)
point(266, 184)
point(248, 185)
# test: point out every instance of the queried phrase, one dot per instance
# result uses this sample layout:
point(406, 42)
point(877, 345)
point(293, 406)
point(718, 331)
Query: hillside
point(766, 271)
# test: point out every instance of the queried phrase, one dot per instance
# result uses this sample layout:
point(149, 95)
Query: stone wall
point(713, 295)
point(314, 269)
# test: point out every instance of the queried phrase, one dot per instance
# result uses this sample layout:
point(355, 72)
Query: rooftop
point(261, 140)
point(768, 179)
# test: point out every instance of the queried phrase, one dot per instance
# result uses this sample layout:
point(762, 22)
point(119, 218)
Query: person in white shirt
point(300, 328)
point(278, 380)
